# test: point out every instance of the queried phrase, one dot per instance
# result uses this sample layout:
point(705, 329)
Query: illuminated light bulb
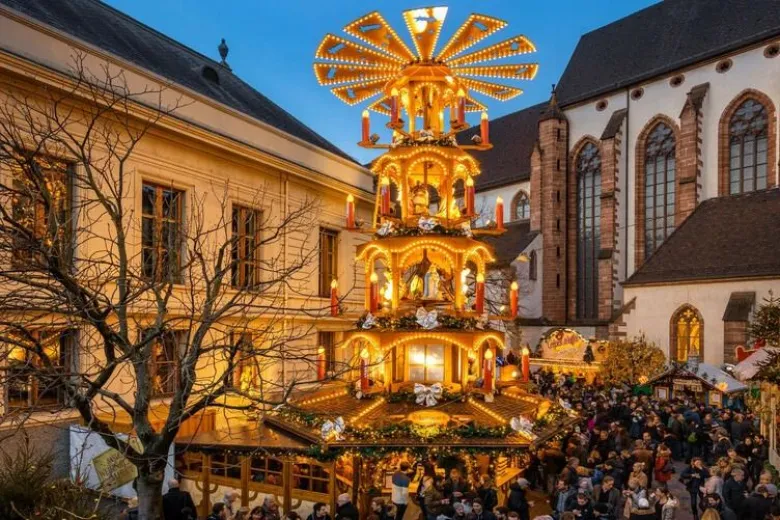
point(364, 353)
point(334, 284)
point(469, 181)
point(525, 351)
point(480, 278)
point(488, 354)
point(374, 278)
point(514, 286)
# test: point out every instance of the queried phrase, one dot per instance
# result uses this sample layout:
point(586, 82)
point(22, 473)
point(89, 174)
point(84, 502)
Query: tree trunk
point(150, 496)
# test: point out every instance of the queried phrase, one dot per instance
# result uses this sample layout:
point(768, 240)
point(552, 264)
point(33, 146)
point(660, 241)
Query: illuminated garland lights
point(409, 322)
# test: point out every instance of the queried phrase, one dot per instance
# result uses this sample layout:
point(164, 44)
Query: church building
point(642, 199)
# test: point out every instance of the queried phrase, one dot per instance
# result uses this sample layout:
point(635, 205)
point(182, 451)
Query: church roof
point(660, 39)
point(104, 27)
point(510, 244)
point(725, 237)
point(513, 137)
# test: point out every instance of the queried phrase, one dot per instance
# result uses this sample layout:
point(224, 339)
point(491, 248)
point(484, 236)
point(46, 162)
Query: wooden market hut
point(701, 381)
point(288, 456)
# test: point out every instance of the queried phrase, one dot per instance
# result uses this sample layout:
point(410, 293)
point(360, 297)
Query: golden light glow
point(321, 350)
point(484, 116)
point(488, 354)
point(469, 181)
point(475, 29)
point(374, 278)
point(499, 200)
point(350, 198)
point(525, 351)
point(334, 284)
point(364, 353)
point(384, 181)
point(480, 278)
point(374, 30)
point(513, 286)
point(365, 114)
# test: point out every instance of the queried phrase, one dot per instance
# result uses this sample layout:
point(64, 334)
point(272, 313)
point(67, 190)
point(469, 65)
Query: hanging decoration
point(428, 395)
point(333, 430)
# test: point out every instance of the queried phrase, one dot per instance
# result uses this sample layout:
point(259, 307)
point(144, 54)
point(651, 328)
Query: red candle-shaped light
point(483, 128)
point(364, 370)
point(525, 364)
point(394, 106)
point(366, 127)
point(499, 213)
point(374, 293)
point(461, 106)
point(385, 196)
point(469, 196)
point(334, 298)
point(350, 212)
point(488, 371)
point(480, 300)
point(322, 364)
point(513, 290)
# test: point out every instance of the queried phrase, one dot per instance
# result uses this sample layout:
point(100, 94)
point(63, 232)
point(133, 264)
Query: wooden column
point(357, 469)
point(244, 481)
point(287, 486)
point(333, 488)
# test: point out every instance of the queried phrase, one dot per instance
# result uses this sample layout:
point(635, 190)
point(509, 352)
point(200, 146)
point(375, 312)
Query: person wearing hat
point(518, 501)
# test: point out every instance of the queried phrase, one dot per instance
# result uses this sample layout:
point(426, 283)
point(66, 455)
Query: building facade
point(227, 158)
point(655, 113)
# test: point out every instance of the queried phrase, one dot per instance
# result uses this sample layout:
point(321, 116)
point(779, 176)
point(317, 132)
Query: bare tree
point(103, 310)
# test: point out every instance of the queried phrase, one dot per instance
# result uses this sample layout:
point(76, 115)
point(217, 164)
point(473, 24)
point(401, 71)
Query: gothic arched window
point(659, 187)
point(522, 206)
point(748, 139)
point(588, 165)
point(687, 327)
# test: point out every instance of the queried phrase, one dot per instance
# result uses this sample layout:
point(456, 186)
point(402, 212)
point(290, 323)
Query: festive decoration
point(480, 290)
point(428, 395)
point(483, 128)
point(368, 321)
point(523, 426)
point(364, 355)
point(499, 213)
point(427, 224)
point(626, 361)
point(488, 373)
point(469, 196)
point(334, 298)
point(427, 319)
point(350, 211)
point(366, 127)
point(333, 430)
point(513, 297)
point(322, 364)
point(765, 325)
point(525, 364)
point(588, 357)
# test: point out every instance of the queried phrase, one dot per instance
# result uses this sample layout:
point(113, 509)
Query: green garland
point(438, 229)
point(428, 433)
point(409, 322)
point(410, 397)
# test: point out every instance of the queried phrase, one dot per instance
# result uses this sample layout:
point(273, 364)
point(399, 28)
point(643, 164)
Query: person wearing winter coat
point(518, 500)
point(757, 505)
point(665, 504)
point(608, 494)
point(693, 477)
point(734, 491)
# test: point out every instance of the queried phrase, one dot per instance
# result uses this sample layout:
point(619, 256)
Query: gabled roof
point(726, 237)
point(111, 30)
point(662, 38)
point(708, 374)
point(513, 137)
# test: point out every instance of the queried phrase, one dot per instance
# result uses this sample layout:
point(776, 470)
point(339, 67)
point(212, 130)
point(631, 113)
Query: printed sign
point(113, 469)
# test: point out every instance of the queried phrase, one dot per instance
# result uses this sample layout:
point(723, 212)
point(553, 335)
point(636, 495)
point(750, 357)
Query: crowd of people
point(616, 464)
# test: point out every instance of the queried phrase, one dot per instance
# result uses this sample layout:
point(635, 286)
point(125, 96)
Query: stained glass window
point(659, 187)
point(588, 230)
point(748, 131)
point(687, 328)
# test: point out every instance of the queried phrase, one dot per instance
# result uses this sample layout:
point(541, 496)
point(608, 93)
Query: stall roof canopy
point(706, 373)
point(749, 367)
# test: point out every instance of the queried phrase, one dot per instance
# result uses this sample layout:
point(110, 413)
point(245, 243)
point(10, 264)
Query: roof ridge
point(656, 5)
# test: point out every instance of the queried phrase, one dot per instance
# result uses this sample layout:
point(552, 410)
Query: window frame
point(675, 336)
point(175, 364)
point(21, 258)
point(67, 340)
point(327, 270)
point(161, 272)
point(242, 261)
point(587, 264)
point(668, 158)
point(740, 140)
point(520, 200)
point(425, 365)
point(532, 266)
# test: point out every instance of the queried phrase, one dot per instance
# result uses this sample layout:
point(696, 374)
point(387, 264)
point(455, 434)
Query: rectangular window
point(245, 266)
point(161, 230)
point(426, 363)
point(164, 362)
point(329, 259)
point(327, 340)
point(245, 367)
point(311, 477)
point(266, 470)
point(32, 382)
point(44, 211)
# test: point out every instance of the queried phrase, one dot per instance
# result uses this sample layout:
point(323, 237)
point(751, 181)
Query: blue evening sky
point(272, 44)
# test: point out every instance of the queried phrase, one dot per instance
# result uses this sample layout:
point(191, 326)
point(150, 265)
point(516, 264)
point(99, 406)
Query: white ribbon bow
point(385, 229)
point(332, 430)
point(369, 321)
point(427, 223)
point(428, 395)
point(427, 320)
point(523, 426)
